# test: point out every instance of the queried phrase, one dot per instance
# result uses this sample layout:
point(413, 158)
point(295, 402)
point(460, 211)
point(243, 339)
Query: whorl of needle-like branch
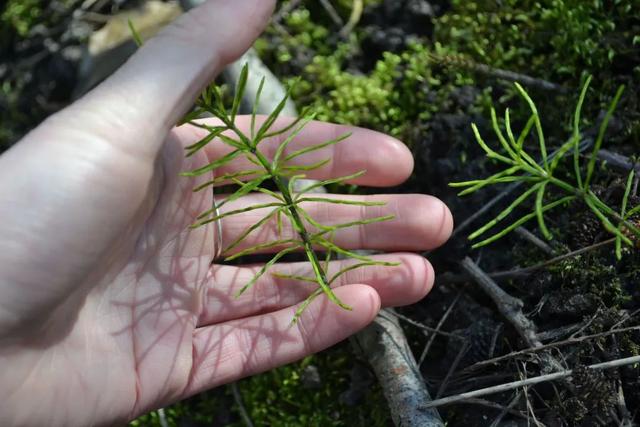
point(285, 204)
point(539, 176)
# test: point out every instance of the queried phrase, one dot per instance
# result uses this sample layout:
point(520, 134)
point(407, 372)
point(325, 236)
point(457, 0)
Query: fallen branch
point(385, 346)
point(461, 61)
point(511, 309)
point(528, 382)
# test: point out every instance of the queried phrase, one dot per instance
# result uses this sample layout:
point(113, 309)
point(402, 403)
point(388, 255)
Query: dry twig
point(511, 309)
point(529, 382)
point(432, 338)
point(563, 343)
point(525, 271)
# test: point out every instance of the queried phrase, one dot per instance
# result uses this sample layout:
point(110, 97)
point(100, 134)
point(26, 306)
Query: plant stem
point(298, 224)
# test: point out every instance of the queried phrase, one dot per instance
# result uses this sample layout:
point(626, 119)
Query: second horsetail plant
point(286, 204)
point(538, 177)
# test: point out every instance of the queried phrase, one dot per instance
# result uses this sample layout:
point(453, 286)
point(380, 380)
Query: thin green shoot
point(286, 208)
point(539, 178)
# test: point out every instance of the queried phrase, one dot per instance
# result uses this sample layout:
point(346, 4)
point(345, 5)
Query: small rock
point(310, 378)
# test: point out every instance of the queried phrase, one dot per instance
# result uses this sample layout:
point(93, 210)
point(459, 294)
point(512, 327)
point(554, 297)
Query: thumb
point(150, 93)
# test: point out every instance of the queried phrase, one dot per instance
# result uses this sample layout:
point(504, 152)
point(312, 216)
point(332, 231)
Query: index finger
point(386, 160)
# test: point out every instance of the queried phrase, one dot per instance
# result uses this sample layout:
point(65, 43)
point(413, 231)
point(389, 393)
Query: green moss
point(21, 15)
point(400, 91)
point(555, 39)
point(282, 397)
point(590, 275)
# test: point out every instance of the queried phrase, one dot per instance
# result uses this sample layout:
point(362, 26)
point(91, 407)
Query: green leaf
point(279, 223)
point(271, 193)
point(329, 245)
point(283, 145)
point(263, 247)
point(316, 147)
point(231, 142)
point(326, 182)
point(525, 132)
point(538, 124)
point(292, 182)
point(241, 85)
point(217, 97)
point(490, 153)
point(521, 221)
point(237, 211)
point(248, 231)
point(213, 165)
point(245, 188)
point(360, 265)
point(193, 115)
point(361, 222)
point(194, 148)
point(264, 269)
point(270, 120)
point(320, 276)
point(340, 201)
point(501, 138)
point(256, 103)
point(502, 180)
point(633, 211)
point(303, 115)
point(224, 179)
point(598, 143)
point(540, 213)
point(294, 277)
point(623, 210)
point(303, 306)
point(301, 168)
point(478, 184)
point(575, 139)
point(502, 215)
point(329, 252)
point(313, 222)
point(606, 223)
point(134, 33)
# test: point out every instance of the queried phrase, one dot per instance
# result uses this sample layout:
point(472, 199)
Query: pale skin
point(109, 303)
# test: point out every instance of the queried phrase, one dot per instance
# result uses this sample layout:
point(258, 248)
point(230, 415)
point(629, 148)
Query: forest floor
point(424, 71)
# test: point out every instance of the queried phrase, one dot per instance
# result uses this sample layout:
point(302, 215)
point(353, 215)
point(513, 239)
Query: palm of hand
point(108, 303)
point(133, 317)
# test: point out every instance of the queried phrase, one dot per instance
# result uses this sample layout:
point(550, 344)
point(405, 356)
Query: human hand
point(109, 304)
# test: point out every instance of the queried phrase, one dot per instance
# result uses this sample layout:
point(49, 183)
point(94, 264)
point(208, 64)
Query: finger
point(386, 160)
point(399, 285)
point(149, 94)
point(236, 349)
point(419, 222)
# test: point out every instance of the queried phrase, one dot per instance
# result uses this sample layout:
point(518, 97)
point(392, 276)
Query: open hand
point(109, 304)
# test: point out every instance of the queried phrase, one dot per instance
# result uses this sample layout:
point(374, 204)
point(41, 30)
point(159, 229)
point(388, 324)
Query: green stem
point(296, 220)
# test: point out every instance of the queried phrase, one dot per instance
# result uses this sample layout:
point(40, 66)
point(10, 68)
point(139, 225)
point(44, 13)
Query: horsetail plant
point(285, 204)
point(520, 167)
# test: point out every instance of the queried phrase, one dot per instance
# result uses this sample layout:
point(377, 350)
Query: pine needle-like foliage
point(279, 171)
point(539, 176)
